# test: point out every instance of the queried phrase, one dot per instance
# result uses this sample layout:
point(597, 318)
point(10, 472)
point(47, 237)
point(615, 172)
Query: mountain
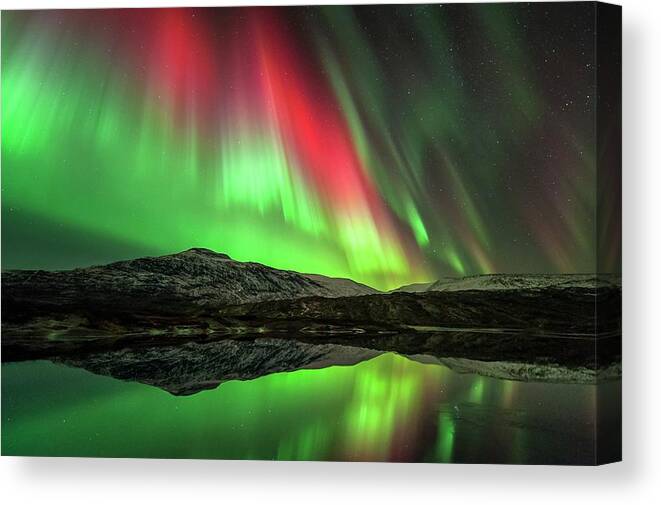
point(196, 278)
point(341, 286)
point(501, 282)
point(417, 287)
point(568, 311)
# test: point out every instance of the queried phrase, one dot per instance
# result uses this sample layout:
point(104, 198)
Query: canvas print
point(337, 233)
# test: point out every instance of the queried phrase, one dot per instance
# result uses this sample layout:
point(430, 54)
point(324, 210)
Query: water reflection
point(389, 408)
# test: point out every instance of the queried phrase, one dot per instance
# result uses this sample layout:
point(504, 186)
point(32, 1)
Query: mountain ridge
point(323, 285)
point(507, 281)
point(196, 276)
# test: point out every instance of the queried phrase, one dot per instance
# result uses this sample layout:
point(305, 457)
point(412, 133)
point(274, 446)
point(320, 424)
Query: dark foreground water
point(386, 409)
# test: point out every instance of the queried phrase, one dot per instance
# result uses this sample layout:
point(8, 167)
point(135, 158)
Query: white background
point(637, 480)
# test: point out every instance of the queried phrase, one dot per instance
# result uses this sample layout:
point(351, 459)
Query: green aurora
point(313, 139)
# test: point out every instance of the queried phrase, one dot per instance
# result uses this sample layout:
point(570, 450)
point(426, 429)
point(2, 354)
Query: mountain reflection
point(388, 408)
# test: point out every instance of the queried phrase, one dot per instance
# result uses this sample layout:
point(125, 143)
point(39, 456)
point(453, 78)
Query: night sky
point(388, 144)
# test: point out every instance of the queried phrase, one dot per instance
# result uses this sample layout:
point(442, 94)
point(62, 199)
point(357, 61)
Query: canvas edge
point(608, 159)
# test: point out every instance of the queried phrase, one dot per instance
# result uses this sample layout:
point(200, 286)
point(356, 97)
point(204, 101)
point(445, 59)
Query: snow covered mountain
point(196, 277)
point(500, 282)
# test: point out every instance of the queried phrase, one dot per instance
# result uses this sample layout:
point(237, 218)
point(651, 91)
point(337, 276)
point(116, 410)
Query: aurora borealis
point(388, 144)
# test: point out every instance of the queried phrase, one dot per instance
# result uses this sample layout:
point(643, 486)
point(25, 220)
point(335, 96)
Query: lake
point(388, 408)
